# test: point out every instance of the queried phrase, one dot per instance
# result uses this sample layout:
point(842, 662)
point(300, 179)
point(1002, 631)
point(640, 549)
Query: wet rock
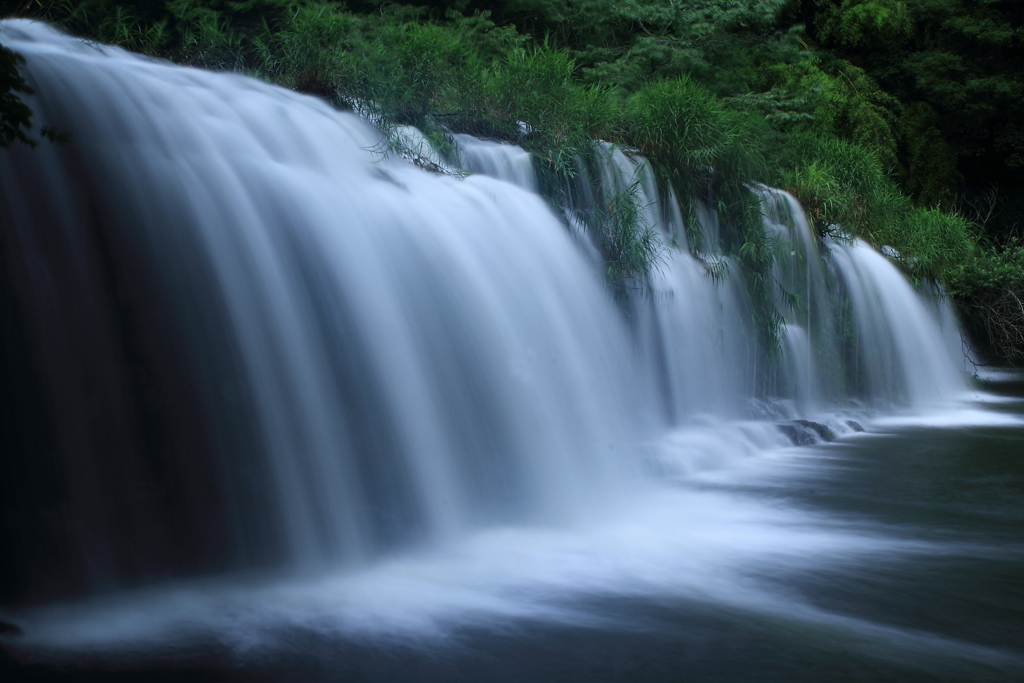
point(796, 434)
point(805, 432)
point(855, 426)
point(823, 432)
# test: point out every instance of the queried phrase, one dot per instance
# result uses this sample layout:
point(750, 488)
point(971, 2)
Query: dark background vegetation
point(899, 121)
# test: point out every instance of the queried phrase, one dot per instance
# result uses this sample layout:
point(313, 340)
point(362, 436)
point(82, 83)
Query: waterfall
point(256, 342)
point(854, 326)
point(903, 349)
point(381, 354)
point(498, 160)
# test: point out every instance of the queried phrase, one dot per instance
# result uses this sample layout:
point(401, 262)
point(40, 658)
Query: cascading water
point(404, 356)
point(853, 325)
point(258, 344)
point(904, 354)
point(691, 326)
point(497, 160)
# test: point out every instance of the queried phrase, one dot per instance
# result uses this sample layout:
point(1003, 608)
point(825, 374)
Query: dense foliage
point(990, 284)
point(15, 115)
point(898, 121)
point(956, 68)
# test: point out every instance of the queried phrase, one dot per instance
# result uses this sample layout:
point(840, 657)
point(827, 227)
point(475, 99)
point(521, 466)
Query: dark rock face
point(799, 436)
point(823, 432)
point(855, 426)
point(805, 432)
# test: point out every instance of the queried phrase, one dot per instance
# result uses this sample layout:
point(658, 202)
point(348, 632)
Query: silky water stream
point(275, 408)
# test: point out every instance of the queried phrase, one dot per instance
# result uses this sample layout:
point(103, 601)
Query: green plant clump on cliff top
point(719, 94)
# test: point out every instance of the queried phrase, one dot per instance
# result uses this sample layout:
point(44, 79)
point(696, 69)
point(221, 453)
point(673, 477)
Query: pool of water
point(896, 554)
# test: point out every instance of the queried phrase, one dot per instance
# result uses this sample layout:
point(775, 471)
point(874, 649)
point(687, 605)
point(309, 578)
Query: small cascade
point(902, 352)
point(689, 320)
point(497, 160)
point(835, 344)
point(692, 328)
point(839, 339)
point(940, 308)
point(631, 176)
point(255, 342)
point(805, 297)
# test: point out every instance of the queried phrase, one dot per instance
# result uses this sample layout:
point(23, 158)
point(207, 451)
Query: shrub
point(703, 149)
point(989, 287)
